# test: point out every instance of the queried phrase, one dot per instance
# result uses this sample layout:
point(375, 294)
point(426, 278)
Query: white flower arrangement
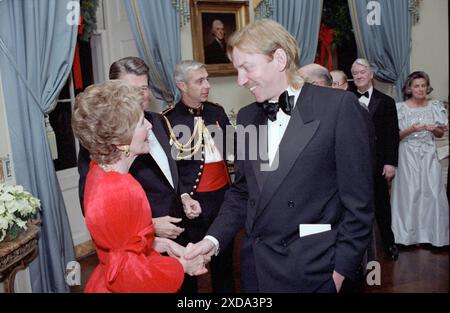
point(17, 207)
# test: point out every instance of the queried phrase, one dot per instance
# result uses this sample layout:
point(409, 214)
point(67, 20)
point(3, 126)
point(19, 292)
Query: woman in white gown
point(420, 210)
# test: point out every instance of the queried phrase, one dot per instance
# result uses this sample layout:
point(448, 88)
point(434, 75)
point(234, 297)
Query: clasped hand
point(204, 249)
point(193, 266)
point(420, 127)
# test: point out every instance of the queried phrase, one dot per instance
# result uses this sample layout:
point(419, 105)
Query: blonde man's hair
point(265, 37)
point(105, 116)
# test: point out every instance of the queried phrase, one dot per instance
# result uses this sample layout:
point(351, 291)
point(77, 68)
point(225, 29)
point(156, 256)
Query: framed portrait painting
point(213, 22)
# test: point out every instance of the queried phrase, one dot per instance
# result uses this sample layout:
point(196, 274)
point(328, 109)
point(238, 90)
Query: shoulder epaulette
point(170, 108)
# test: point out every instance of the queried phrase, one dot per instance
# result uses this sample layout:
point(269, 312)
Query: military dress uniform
point(198, 140)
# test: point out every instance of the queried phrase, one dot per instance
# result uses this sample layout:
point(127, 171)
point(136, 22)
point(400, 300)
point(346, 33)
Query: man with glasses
point(339, 80)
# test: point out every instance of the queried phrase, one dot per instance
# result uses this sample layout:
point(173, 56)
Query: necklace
point(106, 167)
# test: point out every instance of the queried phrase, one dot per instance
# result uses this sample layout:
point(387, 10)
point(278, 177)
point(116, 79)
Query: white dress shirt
point(277, 128)
point(160, 157)
point(364, 100)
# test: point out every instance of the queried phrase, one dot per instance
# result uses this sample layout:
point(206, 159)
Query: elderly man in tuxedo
point(384, 116)
point(306, 208)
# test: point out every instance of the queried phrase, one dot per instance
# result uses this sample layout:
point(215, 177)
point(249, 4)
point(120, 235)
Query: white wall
point(430, 46)
point(68, 182)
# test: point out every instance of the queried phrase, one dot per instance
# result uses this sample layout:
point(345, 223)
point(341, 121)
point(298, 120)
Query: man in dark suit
point(384, 116)
point(307, 208)
point(215, 52)
point(198, 133)
point(156, 172)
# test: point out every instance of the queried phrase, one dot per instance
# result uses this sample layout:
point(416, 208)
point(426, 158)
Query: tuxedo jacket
point(384, 116)
point(214, 116)
point(324, 176)
point(163, 198)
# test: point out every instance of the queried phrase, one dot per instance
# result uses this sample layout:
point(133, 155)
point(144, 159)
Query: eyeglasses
point(337, 84)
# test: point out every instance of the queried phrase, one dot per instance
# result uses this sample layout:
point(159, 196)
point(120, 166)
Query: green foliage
point(336, 16)
point(14, 232)
point(88, 10)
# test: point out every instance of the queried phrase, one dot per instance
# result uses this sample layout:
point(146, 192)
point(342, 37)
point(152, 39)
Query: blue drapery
point(302, 19)
point(155, 25)
point(37, 45)
point(383, 36)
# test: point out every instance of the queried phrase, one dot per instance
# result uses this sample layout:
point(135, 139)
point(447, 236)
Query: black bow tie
point(285, 102)
point(366, 94)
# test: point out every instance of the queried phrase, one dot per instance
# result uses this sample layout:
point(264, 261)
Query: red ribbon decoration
point(76, 67)
point(326, 35)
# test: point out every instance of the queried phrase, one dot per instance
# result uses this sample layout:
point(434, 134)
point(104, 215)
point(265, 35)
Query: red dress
point(119, 220)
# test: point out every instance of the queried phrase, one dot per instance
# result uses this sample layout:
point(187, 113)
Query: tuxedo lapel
point(374, 102)
point(260, 119)
point(300, 130)
point(163, 139)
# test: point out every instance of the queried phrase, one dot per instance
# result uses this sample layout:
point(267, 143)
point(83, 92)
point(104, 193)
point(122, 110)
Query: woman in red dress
point(109, 121)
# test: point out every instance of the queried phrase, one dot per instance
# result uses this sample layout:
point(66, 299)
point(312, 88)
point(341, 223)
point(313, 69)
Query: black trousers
point(383, 210)
point(221, 266)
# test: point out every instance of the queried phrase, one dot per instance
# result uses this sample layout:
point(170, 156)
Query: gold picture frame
point(234, 15)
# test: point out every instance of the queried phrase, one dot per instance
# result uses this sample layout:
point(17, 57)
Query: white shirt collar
point(292, 92)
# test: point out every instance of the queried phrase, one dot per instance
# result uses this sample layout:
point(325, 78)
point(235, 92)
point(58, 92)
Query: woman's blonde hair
point(105, 116)
point(265, 37)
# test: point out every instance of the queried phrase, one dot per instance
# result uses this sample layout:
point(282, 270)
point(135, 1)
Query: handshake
point(193, 257)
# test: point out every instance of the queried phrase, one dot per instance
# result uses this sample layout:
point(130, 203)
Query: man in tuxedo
point(156, 172)
point(384, 116)
point(215, 52)
point(200, 152)
point(306, 208)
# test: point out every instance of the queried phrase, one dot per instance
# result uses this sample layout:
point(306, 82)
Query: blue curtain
point(155, 25)
point(36, 52)
point(302, 19)
point(384, 37)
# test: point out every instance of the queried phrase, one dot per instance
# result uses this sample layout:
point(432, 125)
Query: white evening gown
point(420, 210)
